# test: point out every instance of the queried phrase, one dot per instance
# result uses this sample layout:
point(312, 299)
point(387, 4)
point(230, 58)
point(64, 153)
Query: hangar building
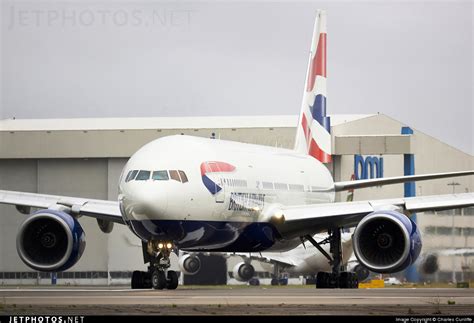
point(84, 158)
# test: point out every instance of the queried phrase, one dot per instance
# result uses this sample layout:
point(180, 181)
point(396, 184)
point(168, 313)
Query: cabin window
point(174, 175)
point(160, 175)
point(184, 178)
point(143, 175)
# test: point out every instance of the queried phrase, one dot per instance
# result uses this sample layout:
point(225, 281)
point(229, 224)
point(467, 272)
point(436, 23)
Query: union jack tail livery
point(313, 135)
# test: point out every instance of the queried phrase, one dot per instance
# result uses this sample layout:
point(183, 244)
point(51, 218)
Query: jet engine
point(50, 240)
point(386, 242)
point(243, 272)
point(361, 272)
point(189, 264)
point(429, 264)
point(105, 226)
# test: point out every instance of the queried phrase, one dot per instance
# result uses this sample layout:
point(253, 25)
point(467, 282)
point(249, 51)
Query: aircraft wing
point(269, 258)
point(349, 185)
point(294, 221)
point(100, 209)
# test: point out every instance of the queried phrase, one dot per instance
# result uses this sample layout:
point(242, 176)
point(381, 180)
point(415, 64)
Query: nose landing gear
point(157, 253)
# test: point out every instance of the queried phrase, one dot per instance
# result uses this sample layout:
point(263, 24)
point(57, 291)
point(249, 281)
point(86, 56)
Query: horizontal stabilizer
point(349, 185)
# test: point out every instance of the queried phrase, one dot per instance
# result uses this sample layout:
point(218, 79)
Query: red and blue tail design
point(214, 167)
point(313, 136)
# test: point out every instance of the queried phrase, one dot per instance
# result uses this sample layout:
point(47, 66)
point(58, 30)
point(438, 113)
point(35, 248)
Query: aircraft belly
point(224, 236)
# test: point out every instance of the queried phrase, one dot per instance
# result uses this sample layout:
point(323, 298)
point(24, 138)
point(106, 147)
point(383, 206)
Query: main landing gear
point(338, 278)
point(157, 253)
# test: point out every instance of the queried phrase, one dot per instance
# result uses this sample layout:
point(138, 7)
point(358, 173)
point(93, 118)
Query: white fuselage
point(224, 193)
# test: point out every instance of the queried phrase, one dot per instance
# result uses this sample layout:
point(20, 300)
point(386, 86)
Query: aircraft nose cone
point(146, 204)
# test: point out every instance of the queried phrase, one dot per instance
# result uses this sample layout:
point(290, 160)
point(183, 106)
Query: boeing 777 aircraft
point(302, 260)
point(198, 194)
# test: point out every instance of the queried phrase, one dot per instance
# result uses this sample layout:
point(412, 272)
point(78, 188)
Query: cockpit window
point(160, 175)
point(131, 175)
point(184, 178)
point(143, 175)
point(174, 175)
point(157, 175)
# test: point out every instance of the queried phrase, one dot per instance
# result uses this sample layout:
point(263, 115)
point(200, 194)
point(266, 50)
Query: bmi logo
point(368, 167)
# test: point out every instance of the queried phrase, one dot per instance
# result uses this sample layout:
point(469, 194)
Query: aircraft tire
point(158, 279)
point(146, 279)
point(345, 280)
point(172, 281)
point(137, 280)
point(322, 280)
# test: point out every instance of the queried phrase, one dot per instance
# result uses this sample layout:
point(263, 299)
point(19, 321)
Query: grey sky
point(411, 61)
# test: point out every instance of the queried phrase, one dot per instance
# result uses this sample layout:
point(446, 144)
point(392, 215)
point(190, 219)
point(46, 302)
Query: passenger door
point(218, 182)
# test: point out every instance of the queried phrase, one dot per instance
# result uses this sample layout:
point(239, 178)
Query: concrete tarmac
point(239, 300)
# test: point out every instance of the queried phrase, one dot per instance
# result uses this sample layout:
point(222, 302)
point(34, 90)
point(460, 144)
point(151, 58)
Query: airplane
point(302, 260)
point(199, 194)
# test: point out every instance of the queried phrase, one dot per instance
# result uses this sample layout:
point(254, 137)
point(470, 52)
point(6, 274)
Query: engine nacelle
point(429, 264)
point(105, 226)
point(50, 240)
point(243, 272)
point(189, 264)
point(361, 272)
point(386, 242)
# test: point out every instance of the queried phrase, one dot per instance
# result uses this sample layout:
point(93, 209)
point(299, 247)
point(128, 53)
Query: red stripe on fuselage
point(318, 63)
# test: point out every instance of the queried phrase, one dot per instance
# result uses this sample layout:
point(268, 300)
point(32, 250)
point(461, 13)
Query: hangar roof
point(220, 122)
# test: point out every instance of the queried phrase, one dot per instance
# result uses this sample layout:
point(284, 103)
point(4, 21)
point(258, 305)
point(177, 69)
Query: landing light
point(279, 217)
point(160, 246)
point(169, 245)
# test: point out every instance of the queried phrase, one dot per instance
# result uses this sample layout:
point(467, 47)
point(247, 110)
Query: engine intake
point(243, 272)
point(189, 264)
point(386, 242)
point(50, 240)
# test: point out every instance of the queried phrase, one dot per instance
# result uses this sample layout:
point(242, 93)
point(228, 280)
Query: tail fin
point(313, 135)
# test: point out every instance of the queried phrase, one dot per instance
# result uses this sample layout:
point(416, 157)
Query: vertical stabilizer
point(313, 135)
